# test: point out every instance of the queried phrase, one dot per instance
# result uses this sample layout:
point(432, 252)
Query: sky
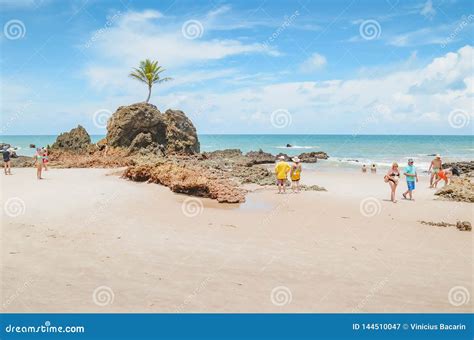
point(284, 67)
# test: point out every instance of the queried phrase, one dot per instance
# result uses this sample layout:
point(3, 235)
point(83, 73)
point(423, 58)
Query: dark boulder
point(143, 126)
point(75, 140)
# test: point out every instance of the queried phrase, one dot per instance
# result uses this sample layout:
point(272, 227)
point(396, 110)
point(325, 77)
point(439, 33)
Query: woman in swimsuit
point(45, 159)
point(295, 175)
point(392, 177)
point(39, 162)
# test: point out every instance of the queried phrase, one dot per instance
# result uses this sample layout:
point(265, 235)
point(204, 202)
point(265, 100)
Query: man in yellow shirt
point(281, 171)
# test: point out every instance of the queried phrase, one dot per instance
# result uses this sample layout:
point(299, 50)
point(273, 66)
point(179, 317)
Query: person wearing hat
point(295, 174)
point(435, 167)
point(411, 176)
point(281, 172)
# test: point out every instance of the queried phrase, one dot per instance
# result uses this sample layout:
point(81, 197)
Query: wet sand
point(85, 241)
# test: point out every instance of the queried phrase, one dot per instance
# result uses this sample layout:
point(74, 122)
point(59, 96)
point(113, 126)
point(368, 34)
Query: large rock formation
point(142, 126)
point(75, 140)
point(459, 189)
point(188, 179)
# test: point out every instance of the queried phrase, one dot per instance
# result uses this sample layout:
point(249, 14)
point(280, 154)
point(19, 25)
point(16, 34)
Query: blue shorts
point(411, 185)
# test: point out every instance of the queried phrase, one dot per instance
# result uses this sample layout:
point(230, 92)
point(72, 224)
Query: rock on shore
point(465, 168)
point(188, 180)
point(75, 140)
point(459, 189)
point(142, 126)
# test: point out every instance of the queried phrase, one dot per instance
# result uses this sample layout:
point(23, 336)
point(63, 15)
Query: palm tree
point(149, 73)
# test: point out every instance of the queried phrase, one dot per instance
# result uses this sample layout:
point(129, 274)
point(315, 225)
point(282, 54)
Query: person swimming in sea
point(295, 175)
point(392, 177)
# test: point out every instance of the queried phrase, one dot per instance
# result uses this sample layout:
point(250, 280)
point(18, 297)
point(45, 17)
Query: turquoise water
point(342, 149)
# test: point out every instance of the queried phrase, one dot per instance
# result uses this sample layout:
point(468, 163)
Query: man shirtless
point(435, 167)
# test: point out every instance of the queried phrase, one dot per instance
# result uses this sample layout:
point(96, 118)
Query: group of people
point(40, 161)
point(282, 169)
point(437, 174)
point(373, 168)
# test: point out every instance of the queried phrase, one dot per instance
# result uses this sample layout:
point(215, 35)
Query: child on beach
point(364, 168)
point(6, 161)
point(295, 175)
point(392, 177)
point(45, 159)
point(281, 171)
point(411, 176)
point(435, 167)
point(39, 163)
point(373, 169)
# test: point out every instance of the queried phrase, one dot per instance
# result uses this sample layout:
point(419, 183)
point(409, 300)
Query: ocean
point(345, 151)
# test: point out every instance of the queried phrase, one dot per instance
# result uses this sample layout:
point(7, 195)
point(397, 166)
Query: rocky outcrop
point(22, 162)
point(222, 154)
point(459, 189)
point(260, 157)
point(142, 126)
point(312, 157)
point(465, 168)
point(188, 180)
point(75, 140)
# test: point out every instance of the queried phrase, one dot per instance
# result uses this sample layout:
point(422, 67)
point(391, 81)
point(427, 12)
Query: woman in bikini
point(392, 177)
point(39, 163)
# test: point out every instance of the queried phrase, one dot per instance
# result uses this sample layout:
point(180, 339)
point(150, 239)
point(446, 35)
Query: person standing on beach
point(45, 159)
point(39, 163)
point(364, 168)
point(392, 177)
point(435, 167)
point(7, 161)
point(411, 176)
point(295, 174)
point(281, 171)
point(373, 169)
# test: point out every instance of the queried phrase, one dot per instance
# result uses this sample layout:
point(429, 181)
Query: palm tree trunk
point(149, 94)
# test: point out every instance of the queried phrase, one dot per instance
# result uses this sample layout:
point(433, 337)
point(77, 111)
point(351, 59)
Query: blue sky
point(357, 67)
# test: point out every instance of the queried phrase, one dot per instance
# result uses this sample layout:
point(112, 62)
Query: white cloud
point(428, 11)
point(315, 62)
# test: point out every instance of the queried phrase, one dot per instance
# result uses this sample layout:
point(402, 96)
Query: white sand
point(82, 229)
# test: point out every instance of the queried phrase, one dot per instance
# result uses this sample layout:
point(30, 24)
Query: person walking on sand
point(411, 176)
point(7, 161)
point(39, 163)
point(281, 171)
point(435, 167)
point(45, 159)
point(392, 177)
point(295, 174)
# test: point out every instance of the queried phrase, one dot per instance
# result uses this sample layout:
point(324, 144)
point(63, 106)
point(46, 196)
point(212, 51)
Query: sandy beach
point(85, 240)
